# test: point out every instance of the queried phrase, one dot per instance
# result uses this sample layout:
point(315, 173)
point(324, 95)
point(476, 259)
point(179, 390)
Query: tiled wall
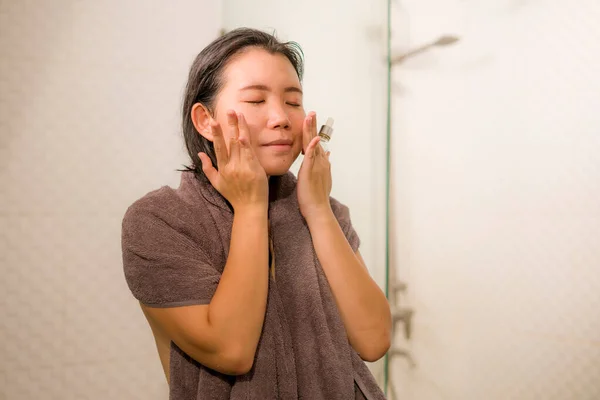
point(497, 187)
point(89, 103)
point(497, 175)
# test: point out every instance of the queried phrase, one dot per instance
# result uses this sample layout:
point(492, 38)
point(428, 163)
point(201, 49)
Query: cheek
point(299, 116)
point(222, 120)
point(222, 106)
point(252, 113)
point(255, 126)
point(297, 121)
point(253, 121)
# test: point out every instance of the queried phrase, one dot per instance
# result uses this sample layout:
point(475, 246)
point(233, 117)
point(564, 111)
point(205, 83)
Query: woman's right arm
point(224, 334)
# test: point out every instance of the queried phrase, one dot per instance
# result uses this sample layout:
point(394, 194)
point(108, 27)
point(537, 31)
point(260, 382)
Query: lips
point(279, 142)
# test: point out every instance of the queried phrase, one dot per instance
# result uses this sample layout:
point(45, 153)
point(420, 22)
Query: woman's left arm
point(363, 307)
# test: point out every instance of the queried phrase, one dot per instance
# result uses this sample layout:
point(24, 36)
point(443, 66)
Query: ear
point(201, 119)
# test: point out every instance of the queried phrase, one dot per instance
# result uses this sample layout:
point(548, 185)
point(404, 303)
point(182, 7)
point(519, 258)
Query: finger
point(306, 133)
point(209, 170)
point(245, 147)
point(219, 144)
point(310, 151)
point(232, 122)
point(244, 132)
point(234, 150)
point(234, 134)
point(313, 130)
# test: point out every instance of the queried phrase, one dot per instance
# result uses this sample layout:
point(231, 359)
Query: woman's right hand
point(240, 178)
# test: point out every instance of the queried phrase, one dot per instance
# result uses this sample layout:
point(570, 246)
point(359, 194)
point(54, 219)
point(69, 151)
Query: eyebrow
point(268, 89)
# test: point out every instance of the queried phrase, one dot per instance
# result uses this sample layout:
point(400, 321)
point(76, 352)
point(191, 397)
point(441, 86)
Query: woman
point(250, 279)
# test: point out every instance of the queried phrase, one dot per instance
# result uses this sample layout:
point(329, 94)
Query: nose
point(278, 118)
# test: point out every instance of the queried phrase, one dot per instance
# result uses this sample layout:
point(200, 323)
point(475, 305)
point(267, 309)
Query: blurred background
point(467, 146)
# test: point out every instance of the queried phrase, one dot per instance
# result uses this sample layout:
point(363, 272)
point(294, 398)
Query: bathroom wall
point(496, 182)
point(496, 144)
point(89, 102)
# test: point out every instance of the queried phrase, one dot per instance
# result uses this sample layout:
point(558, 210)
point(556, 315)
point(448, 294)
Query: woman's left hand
point(314, 177)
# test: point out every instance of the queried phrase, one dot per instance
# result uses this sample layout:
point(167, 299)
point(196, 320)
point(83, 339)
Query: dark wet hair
point(205, 81)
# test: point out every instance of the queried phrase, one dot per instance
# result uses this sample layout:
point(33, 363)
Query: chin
point(277, 167)
point(277, 171)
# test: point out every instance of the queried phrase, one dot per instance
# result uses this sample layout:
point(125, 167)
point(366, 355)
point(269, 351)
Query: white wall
point(497, 187)
point(89, 122)
point(346, 79)
point(496, 167)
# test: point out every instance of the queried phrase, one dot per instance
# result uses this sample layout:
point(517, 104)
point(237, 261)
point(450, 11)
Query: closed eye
point(294, 104)
point(256, 102)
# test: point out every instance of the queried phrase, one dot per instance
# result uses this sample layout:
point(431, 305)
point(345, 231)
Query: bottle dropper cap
point(327, 130)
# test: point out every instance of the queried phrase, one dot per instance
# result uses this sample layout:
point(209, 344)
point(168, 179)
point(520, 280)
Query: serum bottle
point(325, 133)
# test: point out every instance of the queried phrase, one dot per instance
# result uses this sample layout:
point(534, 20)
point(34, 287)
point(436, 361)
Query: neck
point(273, 186)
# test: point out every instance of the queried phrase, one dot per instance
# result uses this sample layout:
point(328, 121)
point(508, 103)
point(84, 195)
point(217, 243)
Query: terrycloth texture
point(175, 245)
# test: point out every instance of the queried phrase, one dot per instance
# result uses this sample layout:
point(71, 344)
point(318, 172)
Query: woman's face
point(265, 88)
